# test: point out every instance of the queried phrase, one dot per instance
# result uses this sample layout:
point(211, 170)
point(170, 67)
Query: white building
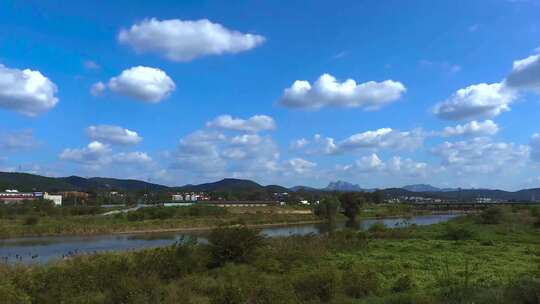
point(56, 199)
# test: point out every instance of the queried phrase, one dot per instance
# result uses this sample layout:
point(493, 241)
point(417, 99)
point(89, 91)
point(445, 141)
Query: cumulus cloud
point(91, 65)
point(17, 140)
point(209, 153)
point(385, 138)
point(185, 40)
point(525, 74)
point(535, 147)
point(132, 158)
point(146, 84)
point(255, 123)
point(97, 155)
point(98, 88)
point(395, 166)
point(300, 165)
point(25, 91)
point(328, 92)
point(473, 128)
point(476, 101)
point(94, 154)
point(113, 135)
point(481, 155)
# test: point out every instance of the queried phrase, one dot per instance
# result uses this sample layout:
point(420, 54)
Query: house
point(56, 199)
point(13, 196)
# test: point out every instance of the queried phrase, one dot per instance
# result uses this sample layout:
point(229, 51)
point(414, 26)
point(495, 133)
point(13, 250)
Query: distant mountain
point(342, 186)
point(303, 188)
point(231, 184)
point(32, 182)
point(421, 188)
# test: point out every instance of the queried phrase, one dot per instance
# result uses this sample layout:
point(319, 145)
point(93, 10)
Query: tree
point(328, 208)
point(351, 203)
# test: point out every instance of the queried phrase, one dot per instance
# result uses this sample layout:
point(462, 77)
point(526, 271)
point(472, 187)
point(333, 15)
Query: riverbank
point(490, 257)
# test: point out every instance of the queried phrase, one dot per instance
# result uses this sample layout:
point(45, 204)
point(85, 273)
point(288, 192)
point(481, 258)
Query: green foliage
point(31, 220)
point(360, 282)
point(327, 208)
point(163, 213)
point(321, 284)
point(492, 216)
point(351, 203)
point(11, 295)
point(403, 283)
point(236, 244)
point(457, 232)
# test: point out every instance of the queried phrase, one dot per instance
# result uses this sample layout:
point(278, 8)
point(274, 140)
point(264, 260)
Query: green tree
point(351, 203)
point(328, 208)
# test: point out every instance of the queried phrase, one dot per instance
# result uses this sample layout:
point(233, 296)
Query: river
point(30, 250)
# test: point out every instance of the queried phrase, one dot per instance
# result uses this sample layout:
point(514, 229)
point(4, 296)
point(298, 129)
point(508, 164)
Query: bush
point(31, 221)
point(403, 283)
point(457, 232)
point(359, 283)
point(525, 290)
point(492, 216)
point(320, 285)
point(10, 295)
point(377, 227)
point(236, 244)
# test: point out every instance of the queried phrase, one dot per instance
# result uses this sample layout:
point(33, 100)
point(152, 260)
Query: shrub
point(525, 290)
point(358, 283)
point(236, 244)
point(318, 285)
point(10, 295)
point(457, 232)
point(492, 216)
point(31, 221)
point(403, 283)
point(377, 227)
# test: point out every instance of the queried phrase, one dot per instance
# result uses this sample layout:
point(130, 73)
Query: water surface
point(44, 249)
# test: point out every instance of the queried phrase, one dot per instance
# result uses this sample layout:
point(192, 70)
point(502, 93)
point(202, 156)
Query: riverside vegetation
point(41, 218)
point(492, 257)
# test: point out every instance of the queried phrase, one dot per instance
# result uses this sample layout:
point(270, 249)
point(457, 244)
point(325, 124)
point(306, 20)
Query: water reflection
point(45, 249)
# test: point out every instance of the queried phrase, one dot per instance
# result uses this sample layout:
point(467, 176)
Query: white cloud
point(96, 153)
point(473, 128)
point(146, 84)
point(132, 158)
point(180, 40)
point(385, 138)
point(25, 91)
point(535, 147)
point(328, 92)
point(113, 135)
point(300, 165)
point(253, 124)
point(481, 155)
point(98, 88)
point(99, 156)
point(91, 65)
point(525, 74)
point(476, 101)
point(395, 167)
point(17, 140)
point(207, 153)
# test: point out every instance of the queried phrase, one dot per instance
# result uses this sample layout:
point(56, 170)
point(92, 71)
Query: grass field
point(491, 257)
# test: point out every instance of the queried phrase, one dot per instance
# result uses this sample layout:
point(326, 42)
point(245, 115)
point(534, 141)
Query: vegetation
point(498, 263)
point(38, 218)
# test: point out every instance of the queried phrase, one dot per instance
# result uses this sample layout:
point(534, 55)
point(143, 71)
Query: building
point(56, 199)
point(14, 196)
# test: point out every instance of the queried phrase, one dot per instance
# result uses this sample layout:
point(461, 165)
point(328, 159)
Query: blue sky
point(179, 92)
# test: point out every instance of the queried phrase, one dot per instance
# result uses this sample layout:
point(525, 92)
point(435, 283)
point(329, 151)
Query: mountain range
point(32, 182)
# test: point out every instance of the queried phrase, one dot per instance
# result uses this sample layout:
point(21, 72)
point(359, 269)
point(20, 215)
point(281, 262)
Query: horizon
point(286, 186)
point(381, 95)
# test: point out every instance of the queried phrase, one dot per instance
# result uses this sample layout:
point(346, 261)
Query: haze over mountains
point(31, 182)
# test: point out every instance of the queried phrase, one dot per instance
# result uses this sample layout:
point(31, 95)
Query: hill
point(232, 185)
point(32, 182)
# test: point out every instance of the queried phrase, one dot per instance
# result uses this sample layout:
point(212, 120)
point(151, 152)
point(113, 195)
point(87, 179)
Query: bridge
point(467, 205)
